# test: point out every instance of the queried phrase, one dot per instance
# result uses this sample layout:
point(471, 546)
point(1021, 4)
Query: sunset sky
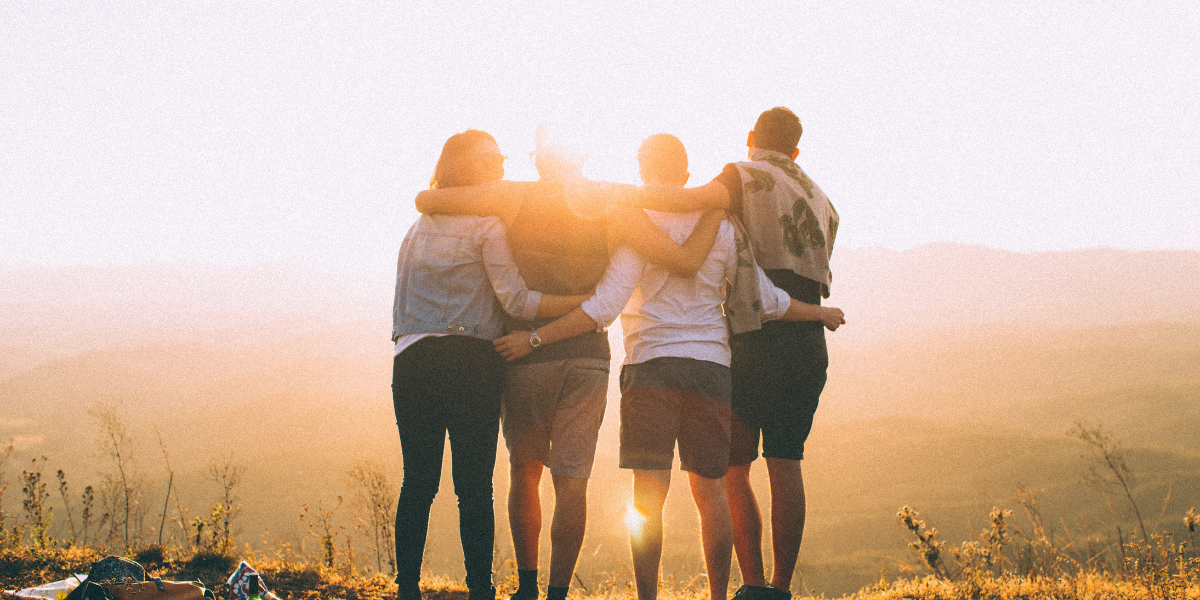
point(252, 132)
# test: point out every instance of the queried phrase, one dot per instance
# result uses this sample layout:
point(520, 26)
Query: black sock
point(527, 584)
point(557, 593)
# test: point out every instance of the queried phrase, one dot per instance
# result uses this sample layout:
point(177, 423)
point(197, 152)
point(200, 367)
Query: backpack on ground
point(117, 578)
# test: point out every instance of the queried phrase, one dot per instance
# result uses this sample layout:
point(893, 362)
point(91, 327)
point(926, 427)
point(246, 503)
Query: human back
point(560, 241)
point(790, 220)
point(670, 315)
point(559, 249)
point(445, 283)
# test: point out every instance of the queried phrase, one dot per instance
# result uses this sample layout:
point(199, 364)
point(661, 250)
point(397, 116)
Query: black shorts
point(668, 399)
point(778, 374)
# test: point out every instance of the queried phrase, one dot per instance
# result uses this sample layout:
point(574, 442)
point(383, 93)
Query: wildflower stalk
point(62, 491)
point(38, 516)
point(1112, 455)
point(926, 545)
point(1192, 520)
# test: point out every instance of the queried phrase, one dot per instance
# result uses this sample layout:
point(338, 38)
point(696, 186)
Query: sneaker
point(774, 593)
point(742, 593)
point(517, 595)
point(754, 592)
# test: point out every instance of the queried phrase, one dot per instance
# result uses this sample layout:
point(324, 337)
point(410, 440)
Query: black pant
point(446, 385)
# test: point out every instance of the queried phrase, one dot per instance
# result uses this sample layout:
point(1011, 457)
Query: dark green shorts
point(778, 375)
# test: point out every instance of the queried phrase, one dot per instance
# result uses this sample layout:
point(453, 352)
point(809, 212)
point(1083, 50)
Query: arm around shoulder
point(612, 293)
point(493, 199)
point(669, 198)
point(637, 231)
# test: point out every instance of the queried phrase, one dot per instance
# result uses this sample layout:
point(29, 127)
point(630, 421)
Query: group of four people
point(533, 273)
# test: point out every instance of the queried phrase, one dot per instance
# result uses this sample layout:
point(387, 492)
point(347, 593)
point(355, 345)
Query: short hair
point(456, 166)
point(778, 129)
point(664, 156)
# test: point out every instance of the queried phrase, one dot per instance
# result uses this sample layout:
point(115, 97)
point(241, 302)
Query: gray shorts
point(669, 399)
point(552, 413)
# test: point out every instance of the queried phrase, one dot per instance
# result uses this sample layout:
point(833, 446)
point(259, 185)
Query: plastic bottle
point(254, 594)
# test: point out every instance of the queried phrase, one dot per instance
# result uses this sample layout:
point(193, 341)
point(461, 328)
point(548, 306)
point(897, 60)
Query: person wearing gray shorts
point(551, 415)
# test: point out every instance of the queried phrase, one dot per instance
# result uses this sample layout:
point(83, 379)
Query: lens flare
point(634, 519)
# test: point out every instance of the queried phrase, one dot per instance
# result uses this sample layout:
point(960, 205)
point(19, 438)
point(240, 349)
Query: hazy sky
point(247, 132)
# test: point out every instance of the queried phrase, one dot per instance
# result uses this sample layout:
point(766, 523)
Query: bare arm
point(631, 227)
point(493, 199)
point(510, 288)
point(667, 198)
point(599, 311)
point(557, 306)
point(829, 316)
point(776, 304)
point(516, 344)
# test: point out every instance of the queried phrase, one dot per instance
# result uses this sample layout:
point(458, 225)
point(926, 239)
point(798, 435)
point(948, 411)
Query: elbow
point(422, 203)
point(529, 305)
point(518, 306)
point(514, 310)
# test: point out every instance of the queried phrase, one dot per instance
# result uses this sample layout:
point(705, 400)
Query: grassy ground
point(21, 568)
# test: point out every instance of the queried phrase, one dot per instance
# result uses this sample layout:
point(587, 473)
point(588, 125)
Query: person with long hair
point(455, 279)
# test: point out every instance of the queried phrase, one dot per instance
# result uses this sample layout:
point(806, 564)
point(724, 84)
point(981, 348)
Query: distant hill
point(329, 374)
point(944, 285)
point(955, 381)
point(1010, 373)
point(1165, 415)
point(68, 310)
point(886, 293)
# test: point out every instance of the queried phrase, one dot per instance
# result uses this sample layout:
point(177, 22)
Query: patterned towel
point(743, 303)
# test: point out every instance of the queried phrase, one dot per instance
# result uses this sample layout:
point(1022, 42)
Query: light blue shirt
point(456, 276)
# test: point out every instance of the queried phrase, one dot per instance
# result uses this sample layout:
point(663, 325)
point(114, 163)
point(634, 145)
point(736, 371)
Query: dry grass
point(1092, 586)
point(21, 568)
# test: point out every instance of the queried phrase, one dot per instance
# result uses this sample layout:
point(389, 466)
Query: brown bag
point(157, 589)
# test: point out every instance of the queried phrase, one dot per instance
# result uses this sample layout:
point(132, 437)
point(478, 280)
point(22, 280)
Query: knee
point(650, 506)
point(570, 489)
point(474, 492)
point(738, 477)
point(526, 475)
point(418, 493)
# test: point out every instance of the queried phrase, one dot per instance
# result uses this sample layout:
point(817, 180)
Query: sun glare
point(634, 519)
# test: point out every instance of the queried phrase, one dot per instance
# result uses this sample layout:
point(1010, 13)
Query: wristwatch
point(535, 340)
